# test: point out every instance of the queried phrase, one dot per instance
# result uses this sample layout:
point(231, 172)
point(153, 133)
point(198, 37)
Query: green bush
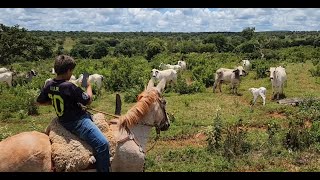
point(261, 69)
point(298, 137)
point(131, 95)
point(183, 88)
point(315, 131)
point(235, 143)
point(315, 72)
point(215, 134)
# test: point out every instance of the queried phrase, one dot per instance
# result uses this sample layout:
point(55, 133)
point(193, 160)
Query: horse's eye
point(164, 101)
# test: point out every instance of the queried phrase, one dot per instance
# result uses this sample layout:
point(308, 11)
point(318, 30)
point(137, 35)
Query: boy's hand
point(88, 83)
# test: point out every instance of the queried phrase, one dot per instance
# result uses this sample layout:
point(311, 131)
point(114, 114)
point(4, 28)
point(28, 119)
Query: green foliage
point(261, 68)
point(247, 47)
point(79, 51)
point(309, 108)
point(99, 50)
point(125, 48)
point(272, 129)
point(248, 33)
point(298, 137)
point(17, 44)
point(32, 106)
point(204, 74)
point(125, 78)
point(315, 72)
point(214, 136)
point(4, 133)
point(131, 95)
point(183, 88)
point(315, 131)
point(235, 143)
point(220, 41)
point(154, 47)
point(86, 41)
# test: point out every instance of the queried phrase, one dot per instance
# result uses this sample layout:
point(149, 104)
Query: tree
point(219, 40)
point(80, 51)
point(153, 47)
point(125, 48)
point(248, 33)
point(99, 50)
point(18, 44)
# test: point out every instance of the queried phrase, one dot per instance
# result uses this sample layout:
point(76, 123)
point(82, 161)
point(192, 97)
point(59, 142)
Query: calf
point(258, 91)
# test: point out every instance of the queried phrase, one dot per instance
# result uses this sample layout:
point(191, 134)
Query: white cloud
point(162, 19)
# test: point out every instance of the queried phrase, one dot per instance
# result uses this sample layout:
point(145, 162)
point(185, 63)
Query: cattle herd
point(277, 77)
point(169, 72)
point(8, 75)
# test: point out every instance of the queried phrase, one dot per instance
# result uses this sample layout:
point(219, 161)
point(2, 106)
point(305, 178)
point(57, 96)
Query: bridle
point(131, 136)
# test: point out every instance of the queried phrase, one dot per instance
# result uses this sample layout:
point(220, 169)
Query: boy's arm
point(89, 92)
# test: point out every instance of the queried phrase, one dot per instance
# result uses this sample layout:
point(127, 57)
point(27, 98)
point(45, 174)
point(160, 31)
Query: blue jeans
point(91, 134)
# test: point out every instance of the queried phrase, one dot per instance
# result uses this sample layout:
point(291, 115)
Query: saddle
point(70, 153)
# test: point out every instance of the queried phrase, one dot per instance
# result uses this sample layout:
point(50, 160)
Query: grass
point(183, 147)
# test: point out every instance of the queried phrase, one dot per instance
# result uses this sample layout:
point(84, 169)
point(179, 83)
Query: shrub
point(298, 137)
point(315, 72)
point(215, 133)
point(131, 95)
point(235, 143)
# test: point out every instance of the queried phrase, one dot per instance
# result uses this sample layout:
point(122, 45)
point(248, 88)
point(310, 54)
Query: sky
point(162, 19)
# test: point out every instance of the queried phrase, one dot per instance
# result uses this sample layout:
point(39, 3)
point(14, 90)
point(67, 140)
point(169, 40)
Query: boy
point(65, 98)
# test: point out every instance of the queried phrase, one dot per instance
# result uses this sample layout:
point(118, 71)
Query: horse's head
point(150, 109)
point(161, 119)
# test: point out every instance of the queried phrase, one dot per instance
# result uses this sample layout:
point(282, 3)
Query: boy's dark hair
point(63, 63)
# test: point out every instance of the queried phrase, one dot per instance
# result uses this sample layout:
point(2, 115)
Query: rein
point(87, 108)
point(131, 137)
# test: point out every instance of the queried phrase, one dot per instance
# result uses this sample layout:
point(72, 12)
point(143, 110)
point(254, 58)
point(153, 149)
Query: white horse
point(32, 149)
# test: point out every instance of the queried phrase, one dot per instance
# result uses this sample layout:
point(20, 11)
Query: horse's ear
point(161, 85)
point(150, 84)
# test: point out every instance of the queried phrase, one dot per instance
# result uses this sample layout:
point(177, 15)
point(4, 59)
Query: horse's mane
point(141, 108)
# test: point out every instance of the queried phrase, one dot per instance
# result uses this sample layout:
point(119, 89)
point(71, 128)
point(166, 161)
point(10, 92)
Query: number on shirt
point(57, 103)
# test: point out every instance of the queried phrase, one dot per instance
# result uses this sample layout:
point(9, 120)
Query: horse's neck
point(141, 134)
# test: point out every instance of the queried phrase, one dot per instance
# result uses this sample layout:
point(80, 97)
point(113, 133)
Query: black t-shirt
point(64, 97)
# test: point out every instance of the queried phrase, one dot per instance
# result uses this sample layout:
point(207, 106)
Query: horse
point(131, 131)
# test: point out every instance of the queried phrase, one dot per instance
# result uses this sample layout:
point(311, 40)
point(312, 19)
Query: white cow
point(278, 77)
point(258, 91)
point(232, 76)
point(169, 66)
point(183, 65)
point(168, 74)
point(7, 77)
point(93, 79)
point(2, 70)
point(246, 64)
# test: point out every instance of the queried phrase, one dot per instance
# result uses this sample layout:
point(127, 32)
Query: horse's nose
point(165, 127)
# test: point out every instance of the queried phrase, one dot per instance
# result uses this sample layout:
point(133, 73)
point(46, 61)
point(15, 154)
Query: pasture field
point(185, 146)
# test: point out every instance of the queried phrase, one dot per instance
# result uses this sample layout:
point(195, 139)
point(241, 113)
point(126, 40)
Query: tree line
point(18, 44)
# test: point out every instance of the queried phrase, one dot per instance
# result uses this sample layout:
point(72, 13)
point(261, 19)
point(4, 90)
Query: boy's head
point(63, 63)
